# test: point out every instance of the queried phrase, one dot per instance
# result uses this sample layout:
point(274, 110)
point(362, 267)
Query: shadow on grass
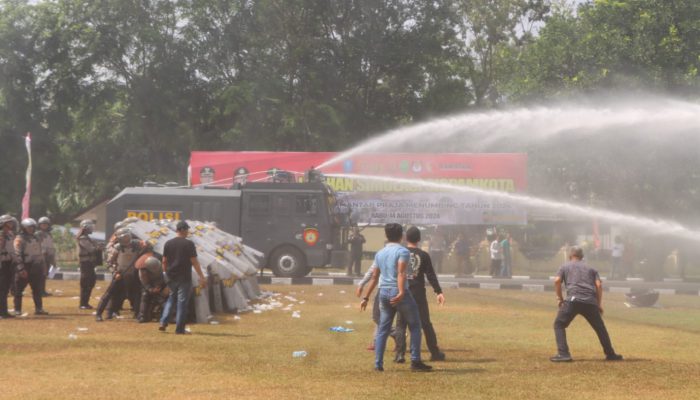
point(602, 360)
point(212, 334)
point(459, 371)
point(457, 351)
point(468, 360)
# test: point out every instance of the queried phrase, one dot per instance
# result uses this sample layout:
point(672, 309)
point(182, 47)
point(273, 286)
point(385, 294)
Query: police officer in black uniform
point(89, 254)
point(30, 266)
point(8, 227)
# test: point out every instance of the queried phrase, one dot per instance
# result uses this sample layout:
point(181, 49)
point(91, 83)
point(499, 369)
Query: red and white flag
point(28, 192)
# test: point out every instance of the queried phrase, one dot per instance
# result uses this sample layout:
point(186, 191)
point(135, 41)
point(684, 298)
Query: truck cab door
point(257, 222)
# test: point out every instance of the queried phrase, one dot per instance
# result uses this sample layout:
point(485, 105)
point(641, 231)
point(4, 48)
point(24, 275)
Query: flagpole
point(28, 177)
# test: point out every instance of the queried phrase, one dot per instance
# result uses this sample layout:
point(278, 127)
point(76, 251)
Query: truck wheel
point(288, 262)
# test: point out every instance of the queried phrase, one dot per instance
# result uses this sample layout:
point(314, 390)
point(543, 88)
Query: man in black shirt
point(420, 266)
point(179, 256)
point(356, 242)
point(584, 295)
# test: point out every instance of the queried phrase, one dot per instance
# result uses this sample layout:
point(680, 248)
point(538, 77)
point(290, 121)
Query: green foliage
point(65, 242)
point(116, 92)
point(632, 44)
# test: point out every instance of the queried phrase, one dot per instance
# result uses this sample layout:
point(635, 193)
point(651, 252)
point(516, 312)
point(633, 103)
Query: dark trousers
point(496, 267)
point(148, 302)
point(35, 278)
point(464, 265)
point(87, 281)
point(356, 262)
point(567, 312)
point(113, 296)
point(430, 338)
point(46, 276)
point(132, 290)
point(7, 275)
point(436, 257)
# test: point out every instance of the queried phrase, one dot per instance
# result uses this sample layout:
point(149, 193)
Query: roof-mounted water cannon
point(281, 176)
point(314, 175)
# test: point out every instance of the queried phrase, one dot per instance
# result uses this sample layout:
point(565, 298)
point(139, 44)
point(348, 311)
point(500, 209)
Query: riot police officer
point(8, 227)
point(30, 266)
point(154, 291)
point(89, 254)
point(124, 278)
point(47, 246)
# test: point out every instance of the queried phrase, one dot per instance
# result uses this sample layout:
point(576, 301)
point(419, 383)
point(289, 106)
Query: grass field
point(497, 344)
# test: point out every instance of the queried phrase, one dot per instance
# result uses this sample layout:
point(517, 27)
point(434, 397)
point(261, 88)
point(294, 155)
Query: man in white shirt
point(618, 250)
point(496, 256)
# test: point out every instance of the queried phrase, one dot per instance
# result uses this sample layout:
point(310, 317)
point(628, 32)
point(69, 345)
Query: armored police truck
point(297, 226)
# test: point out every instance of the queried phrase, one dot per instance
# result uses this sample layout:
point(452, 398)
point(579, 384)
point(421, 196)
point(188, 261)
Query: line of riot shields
point(229, 266)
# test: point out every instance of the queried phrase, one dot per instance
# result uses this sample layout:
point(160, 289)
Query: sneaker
point(418, 366)
point(183, 333)
point(439, 356)
point(41, 312)
point(560, 358)
point(379, 369)
point(46, 294)
point(162, 328)
point(614, 357)
point(98, 318)
point(399, 359)
point(87, 307)
point(18, 313)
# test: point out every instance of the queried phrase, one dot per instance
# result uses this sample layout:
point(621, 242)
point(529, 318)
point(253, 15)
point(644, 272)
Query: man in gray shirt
point(584, 295)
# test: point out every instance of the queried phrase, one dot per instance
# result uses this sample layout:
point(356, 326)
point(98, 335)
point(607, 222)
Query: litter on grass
point(340, 329)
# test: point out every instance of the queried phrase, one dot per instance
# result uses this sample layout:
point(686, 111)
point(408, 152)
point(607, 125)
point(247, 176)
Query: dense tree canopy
point(116, 92)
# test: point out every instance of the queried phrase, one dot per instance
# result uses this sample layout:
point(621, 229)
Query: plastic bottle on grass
point(299, 354)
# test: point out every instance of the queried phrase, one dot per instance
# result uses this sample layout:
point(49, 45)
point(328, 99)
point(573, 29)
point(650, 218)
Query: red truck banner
point(378, 202)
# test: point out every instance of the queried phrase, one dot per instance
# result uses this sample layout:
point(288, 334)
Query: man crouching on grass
point(391, 262)
point(584, 295)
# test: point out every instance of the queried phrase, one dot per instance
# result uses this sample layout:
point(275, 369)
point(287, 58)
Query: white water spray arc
point(651, 119)
point(632, 221)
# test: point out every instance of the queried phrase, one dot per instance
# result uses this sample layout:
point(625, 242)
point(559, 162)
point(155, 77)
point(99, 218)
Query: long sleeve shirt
point(368, 275)
point(422, 268)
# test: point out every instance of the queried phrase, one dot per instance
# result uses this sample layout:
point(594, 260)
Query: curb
point(487, 284)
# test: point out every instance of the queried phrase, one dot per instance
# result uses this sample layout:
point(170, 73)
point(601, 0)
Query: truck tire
point(288, 262)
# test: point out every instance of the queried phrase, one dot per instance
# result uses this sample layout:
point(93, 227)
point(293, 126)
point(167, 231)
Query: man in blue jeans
point(392, 263)
point(179, 256)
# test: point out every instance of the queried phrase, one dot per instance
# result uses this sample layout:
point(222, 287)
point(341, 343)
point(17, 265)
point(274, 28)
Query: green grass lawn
point(497, 344)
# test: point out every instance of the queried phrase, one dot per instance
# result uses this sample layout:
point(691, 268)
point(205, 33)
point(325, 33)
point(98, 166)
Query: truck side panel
point(224, 210)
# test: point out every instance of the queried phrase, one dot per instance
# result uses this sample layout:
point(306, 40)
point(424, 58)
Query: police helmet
point(87, 223)
point(28, 223)
point(44, 220)
point(5, 219)
point(152, 262)
point(123, 234)
point(15, 223)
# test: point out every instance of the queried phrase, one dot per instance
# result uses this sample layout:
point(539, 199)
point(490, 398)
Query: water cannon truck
point(297, 225)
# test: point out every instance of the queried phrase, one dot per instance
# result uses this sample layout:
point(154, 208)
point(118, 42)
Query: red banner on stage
point(378, 202)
